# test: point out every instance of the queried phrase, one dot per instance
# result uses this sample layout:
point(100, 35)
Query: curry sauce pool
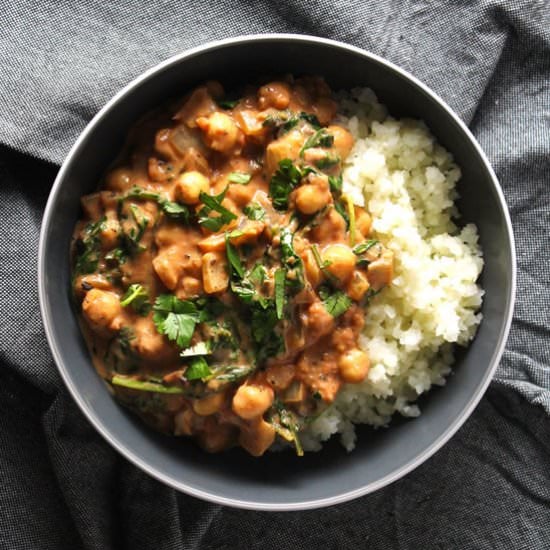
point(227, 269)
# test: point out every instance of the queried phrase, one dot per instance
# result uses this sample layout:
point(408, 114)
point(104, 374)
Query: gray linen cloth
point(62, 486)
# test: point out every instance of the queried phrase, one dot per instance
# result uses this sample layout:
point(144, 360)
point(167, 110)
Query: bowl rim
point(182, 485)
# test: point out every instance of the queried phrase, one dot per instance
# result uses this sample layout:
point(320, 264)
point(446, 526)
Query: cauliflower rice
point(406, 180)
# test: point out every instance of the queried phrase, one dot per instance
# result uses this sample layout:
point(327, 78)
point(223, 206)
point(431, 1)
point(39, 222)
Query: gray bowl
point(279, 481)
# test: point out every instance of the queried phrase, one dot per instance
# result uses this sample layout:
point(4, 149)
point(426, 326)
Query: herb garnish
point(136, 296)
point(321, 138)
point(233, 257)
point(361, 248)
point(335, 183)
point(254, 211)
point(175, 318)
point(284, 180)
point(87, 248)
point(213, 203)
point(172, 209)
point(280, 276)
point(328, 161)
point(198, 369)
point(239, 177)
point(288, 121)
point(336, 303)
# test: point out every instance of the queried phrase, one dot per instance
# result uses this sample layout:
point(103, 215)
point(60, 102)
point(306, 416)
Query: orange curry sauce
point(222, 277)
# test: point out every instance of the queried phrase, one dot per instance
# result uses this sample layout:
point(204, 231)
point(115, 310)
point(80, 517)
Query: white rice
point(406, 181)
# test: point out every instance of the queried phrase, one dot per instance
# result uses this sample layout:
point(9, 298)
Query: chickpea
point(343, 140)
point(341, 260)
point(274, 94)
point(101, 308)
point(354, 366)
point(220, 132)
point(209, 405)
point(313, 273)
point(309, 199)
point(252, 401)
point(109, 234)
point(119, 179)
point(363, 221)
point(190, 185)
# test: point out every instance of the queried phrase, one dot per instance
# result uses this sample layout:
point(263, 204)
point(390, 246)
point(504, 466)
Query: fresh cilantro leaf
point(321, 138)
point(175, 318)
point(213, 203)
point(280, 276)
point(254, 211)
point(173, 210)
point(293, 262)
point(136, 296)
point(179, 328)
point(198, 369)
point(233, 257)
point(267, 342)
point(283, 181)
point(239, 177)
point(88, 248)
point(336, 303)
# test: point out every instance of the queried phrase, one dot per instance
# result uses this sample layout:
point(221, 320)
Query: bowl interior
point(278, 480)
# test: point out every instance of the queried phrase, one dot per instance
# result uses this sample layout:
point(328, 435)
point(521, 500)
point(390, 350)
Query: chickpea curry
point(221, 274)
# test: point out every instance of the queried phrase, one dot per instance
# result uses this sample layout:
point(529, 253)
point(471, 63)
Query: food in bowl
point(272, 267)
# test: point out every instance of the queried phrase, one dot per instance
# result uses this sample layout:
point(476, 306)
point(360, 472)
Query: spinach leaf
point(213, 203)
